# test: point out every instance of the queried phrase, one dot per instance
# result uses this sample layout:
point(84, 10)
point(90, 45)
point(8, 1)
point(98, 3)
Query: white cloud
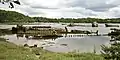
point(68, 8)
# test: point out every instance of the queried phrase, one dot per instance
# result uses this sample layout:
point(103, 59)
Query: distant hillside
point(12, 16)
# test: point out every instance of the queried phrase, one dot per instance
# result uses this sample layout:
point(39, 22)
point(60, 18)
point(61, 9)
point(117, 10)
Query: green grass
point(46, 55)
point(10, 51)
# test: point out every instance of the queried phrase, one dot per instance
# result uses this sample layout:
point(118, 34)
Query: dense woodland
point(11, 16)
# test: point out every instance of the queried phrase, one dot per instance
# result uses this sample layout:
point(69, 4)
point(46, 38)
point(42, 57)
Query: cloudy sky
point(68, 8)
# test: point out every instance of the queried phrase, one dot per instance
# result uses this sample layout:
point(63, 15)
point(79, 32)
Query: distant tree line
point(11, 16)
point(78, 20)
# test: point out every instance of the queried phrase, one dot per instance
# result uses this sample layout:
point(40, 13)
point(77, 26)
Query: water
point(72, 42)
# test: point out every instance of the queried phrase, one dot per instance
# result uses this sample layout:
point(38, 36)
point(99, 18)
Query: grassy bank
point(45, 55)
point(9, 51)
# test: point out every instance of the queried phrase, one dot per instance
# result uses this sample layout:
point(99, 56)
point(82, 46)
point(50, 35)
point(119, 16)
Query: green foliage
point(11, 16)
point(9, 51)
point(2, 39)
point(11, 5)
point(112, 51)
point(46, 55)
point(78, 20)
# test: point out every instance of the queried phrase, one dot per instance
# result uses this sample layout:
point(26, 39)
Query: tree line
point(12, 16)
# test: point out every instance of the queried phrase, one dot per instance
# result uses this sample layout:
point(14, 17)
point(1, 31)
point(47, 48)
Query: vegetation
point(78, 20)
point(10, 2)
point(112, 52)
point(11, 16)
point(45, 55)
point(10, 51)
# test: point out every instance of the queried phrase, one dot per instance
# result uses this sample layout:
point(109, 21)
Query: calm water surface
point(69, 43)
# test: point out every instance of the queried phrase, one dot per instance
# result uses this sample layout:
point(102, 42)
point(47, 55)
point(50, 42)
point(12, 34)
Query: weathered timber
point(108, 25)
point(94, 24)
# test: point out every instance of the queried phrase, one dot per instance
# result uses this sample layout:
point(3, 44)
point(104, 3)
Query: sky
point(68, 8)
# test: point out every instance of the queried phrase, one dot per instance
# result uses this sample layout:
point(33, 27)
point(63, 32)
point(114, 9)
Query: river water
point(71, 42)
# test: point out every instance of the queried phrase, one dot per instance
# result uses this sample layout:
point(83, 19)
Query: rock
point(26, 45)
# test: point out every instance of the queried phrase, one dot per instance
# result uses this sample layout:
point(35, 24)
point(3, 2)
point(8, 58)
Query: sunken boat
point(94, 24)
point(38, 31)
point(108, 25)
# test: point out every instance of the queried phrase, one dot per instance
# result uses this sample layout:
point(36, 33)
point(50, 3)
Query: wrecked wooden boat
point(38, 31)
point(41, 26)
point(108, 25)
point(41, 33)
point(94, 24)
point(114, 33)
point(83, 32)
point(80, 31)
point(72, 25)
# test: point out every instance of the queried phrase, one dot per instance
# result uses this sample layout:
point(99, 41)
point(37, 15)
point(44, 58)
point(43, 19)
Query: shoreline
point(20, 52)
point(36, 23)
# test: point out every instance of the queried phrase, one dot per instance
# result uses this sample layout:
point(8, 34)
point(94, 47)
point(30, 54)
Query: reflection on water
point(69, 42)
point(27, 36)
point(63, 44)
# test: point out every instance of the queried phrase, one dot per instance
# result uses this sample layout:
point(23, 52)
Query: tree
point(10, 2)
point(112, 52)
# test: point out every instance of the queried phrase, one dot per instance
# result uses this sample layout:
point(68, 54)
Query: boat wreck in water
point(108, 25)
point(83, 32)
point(94, 24)
point(38, 31)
